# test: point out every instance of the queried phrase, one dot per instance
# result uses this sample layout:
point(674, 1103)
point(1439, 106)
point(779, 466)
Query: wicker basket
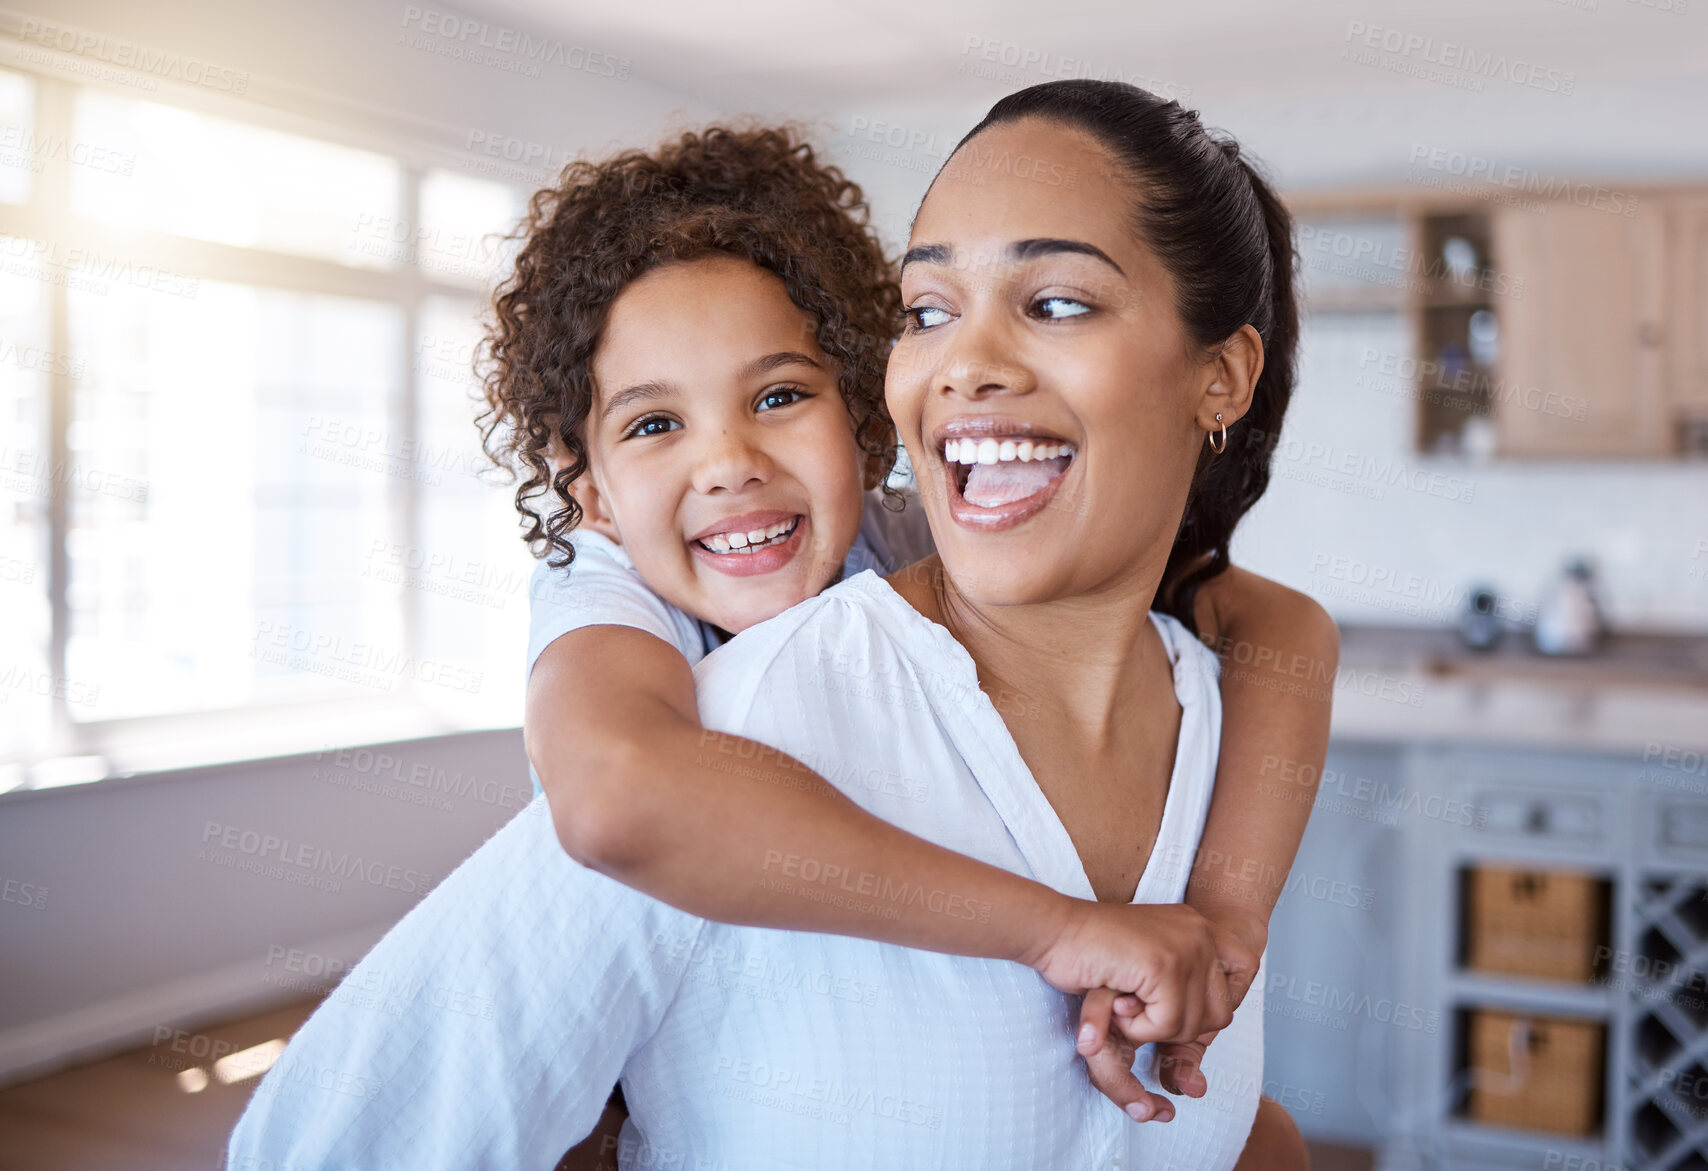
point(1537, 1073)
point(1534, 923)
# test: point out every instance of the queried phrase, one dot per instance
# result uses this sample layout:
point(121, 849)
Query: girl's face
point(1049, 399)
point(720, 453)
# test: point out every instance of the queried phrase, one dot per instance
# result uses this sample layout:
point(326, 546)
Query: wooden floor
point(130, 1112)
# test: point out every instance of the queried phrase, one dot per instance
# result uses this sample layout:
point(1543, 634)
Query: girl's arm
point(706, 822)
point(1279, 651)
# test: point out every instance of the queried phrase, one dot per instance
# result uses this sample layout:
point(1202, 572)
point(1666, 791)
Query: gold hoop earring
point(1222, 446)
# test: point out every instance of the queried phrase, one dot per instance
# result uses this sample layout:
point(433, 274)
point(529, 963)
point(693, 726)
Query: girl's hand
point(1178, 1062)
point(1165, 955)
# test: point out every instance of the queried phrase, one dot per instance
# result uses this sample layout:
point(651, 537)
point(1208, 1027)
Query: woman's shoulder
point(855, 620)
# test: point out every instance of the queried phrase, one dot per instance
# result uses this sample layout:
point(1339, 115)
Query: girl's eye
point(924, 317)
point(1058, 308)
point(783, 396)
point(651, 425)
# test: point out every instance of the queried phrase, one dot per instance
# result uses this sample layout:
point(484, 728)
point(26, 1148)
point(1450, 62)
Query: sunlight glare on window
point(464, 225)
point(213, 179)
point(26, 479)
point(234, 461)
point(23, 153)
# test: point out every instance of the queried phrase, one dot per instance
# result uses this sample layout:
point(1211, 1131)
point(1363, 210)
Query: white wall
point(125, 909)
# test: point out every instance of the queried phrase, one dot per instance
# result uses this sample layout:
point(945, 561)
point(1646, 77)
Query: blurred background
point(256, 587)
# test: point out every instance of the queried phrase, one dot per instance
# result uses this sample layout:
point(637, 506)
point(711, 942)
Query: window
point(240, 485)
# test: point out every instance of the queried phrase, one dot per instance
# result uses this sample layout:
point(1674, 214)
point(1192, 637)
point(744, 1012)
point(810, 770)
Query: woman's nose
point(731, 459)
point(982, 361)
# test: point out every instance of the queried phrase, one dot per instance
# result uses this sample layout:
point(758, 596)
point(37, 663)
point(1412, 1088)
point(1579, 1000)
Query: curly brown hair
point(761, 195)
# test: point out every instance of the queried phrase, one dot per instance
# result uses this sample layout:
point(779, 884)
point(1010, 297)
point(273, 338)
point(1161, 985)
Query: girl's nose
point(731, 460)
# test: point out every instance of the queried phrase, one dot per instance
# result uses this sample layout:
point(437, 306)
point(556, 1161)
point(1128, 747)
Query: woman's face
point(1049, 399)
point(720, 453)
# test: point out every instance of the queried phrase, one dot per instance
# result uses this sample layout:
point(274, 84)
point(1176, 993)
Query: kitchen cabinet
point(1687, 324)
point(1582, 370)
point(1373, 1005)
point(1541, 328)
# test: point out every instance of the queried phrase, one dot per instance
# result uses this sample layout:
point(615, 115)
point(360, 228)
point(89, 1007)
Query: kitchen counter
point(1640, 694)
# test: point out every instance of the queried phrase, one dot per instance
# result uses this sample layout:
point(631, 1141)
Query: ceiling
point(1279, 73)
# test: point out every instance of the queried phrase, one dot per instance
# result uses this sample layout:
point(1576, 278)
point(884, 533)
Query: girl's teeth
point(749, 541)
point(1006, 449)
point(1024, 448)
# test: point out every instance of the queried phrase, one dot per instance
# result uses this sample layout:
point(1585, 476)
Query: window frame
point(127, 745)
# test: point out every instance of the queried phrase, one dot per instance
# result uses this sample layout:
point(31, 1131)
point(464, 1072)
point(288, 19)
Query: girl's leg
point(1275, 1143)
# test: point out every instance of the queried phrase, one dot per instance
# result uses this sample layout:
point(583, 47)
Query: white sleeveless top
point(742, 1047)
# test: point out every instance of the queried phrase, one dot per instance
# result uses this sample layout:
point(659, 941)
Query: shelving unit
point(1586, 322)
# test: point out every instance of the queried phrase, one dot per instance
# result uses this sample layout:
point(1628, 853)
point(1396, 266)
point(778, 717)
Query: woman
point(1038, 317)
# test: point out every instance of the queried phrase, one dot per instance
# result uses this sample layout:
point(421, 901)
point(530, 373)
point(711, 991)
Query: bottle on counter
point(1569, 621)
point(1480, 626)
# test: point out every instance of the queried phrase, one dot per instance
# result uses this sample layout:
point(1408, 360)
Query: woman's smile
point(999, 472)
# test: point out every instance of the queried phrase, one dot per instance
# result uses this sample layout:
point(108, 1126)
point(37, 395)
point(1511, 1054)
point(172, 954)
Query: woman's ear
point(1233, 375)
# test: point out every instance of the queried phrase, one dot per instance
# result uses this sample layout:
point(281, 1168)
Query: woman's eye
point(651, 425)
point(1056, 308)
point(925, 317)
point(782, 397)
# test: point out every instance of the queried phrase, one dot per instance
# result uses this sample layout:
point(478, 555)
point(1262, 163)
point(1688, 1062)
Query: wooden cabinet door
point(1583, 323)
point(1687, 327)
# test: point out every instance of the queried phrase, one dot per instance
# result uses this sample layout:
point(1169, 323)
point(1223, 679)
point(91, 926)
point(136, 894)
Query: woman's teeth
point(991, 451)
point(749, 541)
